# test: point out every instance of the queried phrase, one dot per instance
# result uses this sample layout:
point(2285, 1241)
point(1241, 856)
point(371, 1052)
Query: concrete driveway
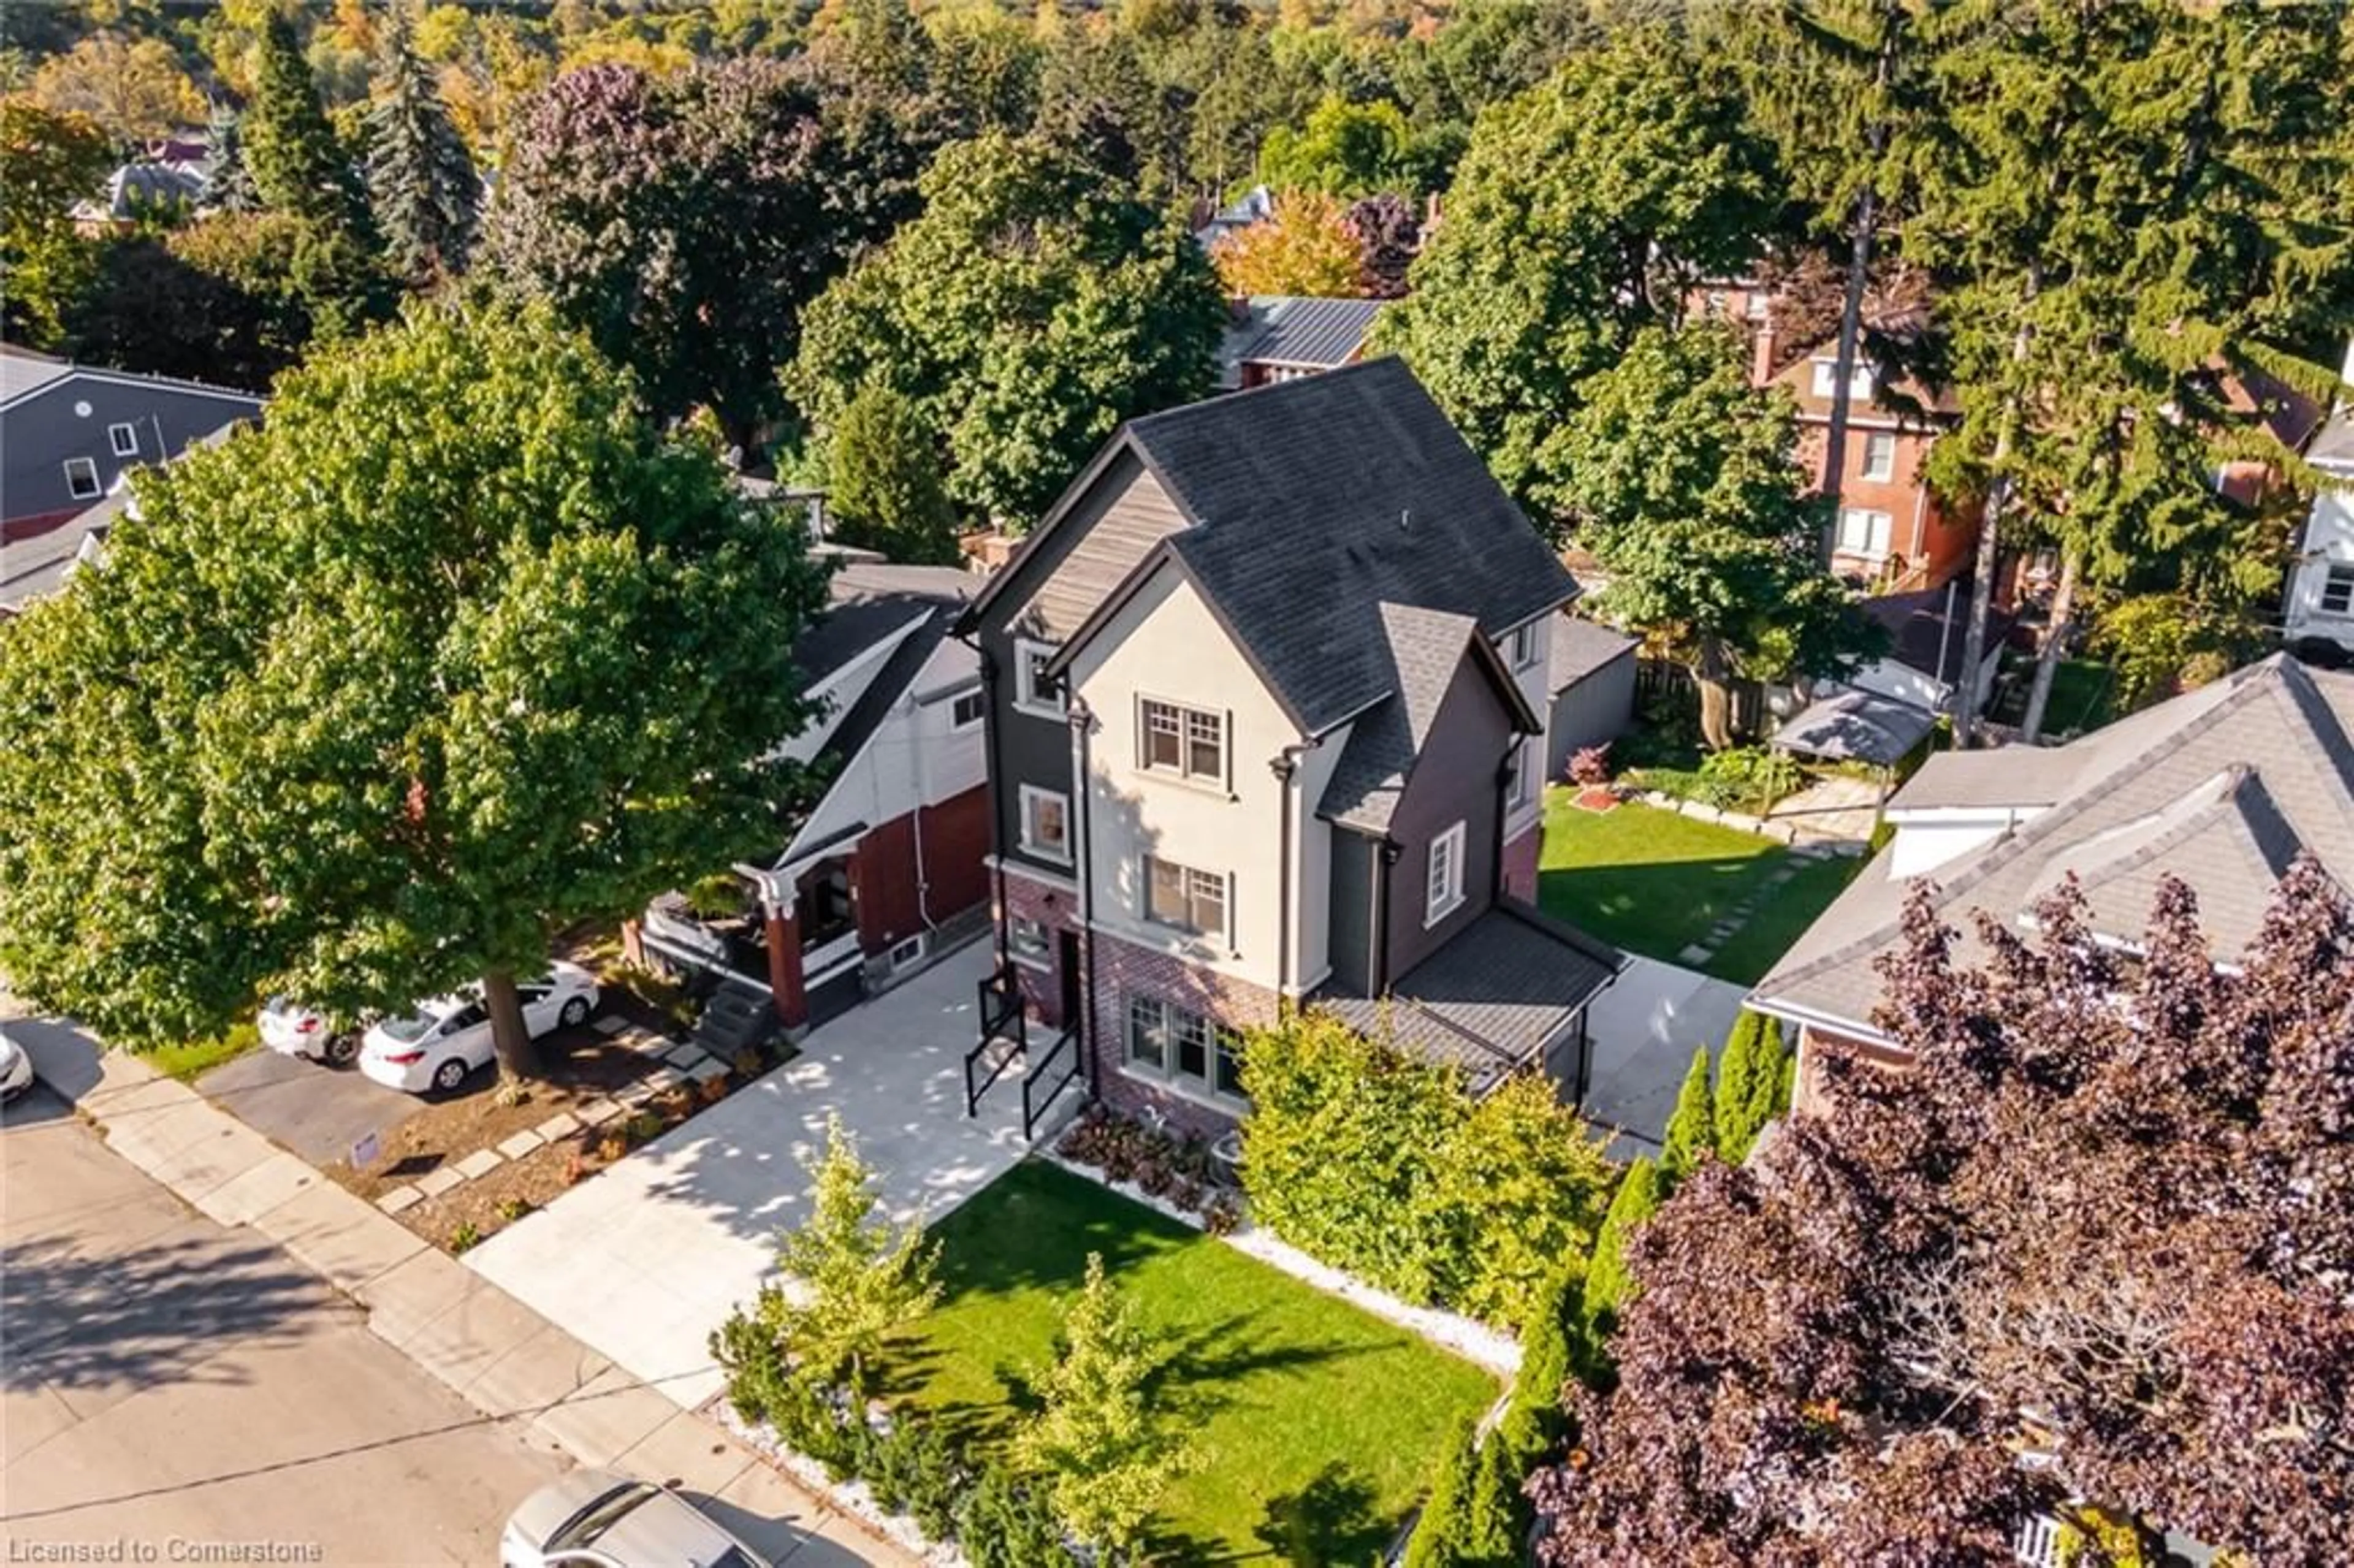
point(1643, 1031)
point(318, 1112)
point(643, 1260)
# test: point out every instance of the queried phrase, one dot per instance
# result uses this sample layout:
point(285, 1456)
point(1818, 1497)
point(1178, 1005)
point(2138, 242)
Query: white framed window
point(1826, 380)
point(82, 479)
point(1188, 742)
point(2338, 591)
point(1864, 531)
point(1035, 691)
point(1187, 1049)
point(1443, 894)
point(1878, 455)
point(1185, 898)
point(1521, 786)
point(966, 711)
point(124, 439)
point(1045, 824)
point(1757, 306)
point(1026, 940)
point(1520, 649)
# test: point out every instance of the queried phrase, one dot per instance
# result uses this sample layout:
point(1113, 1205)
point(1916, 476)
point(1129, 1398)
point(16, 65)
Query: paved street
point(163, 1376)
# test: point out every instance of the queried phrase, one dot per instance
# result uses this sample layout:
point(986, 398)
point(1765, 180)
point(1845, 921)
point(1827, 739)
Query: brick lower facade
point(1056, 909)
point(1523, 857)
point(1126, 969)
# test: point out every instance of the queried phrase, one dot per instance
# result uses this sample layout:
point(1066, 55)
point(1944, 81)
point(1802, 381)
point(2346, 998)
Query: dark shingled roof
point(2222, 787)
point(1316, 501)
point(1491, 998)
point(1579, 648)
point(1425, 648)
point(868, 600)
point(1925, 631)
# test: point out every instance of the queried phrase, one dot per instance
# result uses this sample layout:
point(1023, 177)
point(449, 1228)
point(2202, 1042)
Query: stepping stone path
point(400, 1199)
point(1725, 929)
point(433, 1183)
point(482, 1162)
point(521, 1144)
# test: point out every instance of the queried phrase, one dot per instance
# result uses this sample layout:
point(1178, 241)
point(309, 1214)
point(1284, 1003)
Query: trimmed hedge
point(1384, 1166)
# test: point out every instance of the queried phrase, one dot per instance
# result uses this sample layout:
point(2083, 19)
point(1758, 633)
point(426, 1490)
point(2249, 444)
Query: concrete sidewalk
point(500, 1356)
point(643, 1260)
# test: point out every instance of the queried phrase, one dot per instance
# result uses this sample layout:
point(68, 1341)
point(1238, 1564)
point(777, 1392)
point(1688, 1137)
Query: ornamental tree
point(1678, 475)
point(1302, 249)
point(455, 649)
point(1582, 212)
point(1024, 356)
point(882, 471)
point(1692, 1126)
point(2105, 1221)
point(856, 1277)
point(682, 222)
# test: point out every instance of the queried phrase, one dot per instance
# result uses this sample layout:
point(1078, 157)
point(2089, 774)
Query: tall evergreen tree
point(884, 472)
point(1691, 1130)
point(1736, 1074)
point(1450, 1501)
point(1607, 1283)
point(426, 191)
point(1534, 1420)
point(299, 165)
point(228, 180)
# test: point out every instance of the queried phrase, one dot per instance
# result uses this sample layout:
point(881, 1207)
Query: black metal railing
point(1001, 1004)
point(1066, 1044)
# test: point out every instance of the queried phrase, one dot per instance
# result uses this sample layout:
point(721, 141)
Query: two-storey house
point(2319, 602)
point(1265, 706)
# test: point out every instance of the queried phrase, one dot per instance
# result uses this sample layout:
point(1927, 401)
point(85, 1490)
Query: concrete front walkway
point(1643, 1030)
point(642, 1261)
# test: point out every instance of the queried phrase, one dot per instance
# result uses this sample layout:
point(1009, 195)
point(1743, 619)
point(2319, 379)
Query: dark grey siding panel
point(1112, 534)
point(1455, 780)
point(1350, 926)
point(39, 434)
point(1597, 708)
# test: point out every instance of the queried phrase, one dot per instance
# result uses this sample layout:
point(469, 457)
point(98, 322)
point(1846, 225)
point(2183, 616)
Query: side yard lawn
point(1656, 882)
point(1311, 1427)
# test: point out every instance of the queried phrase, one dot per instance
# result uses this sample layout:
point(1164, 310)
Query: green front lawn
point(189, 1060)
point(1311, 1427)
point(1654, 882)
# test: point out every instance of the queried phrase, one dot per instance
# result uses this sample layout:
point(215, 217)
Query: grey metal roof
point(1491, 998)
point(1316, 501)
point(1579, 648)
point(1856, 726)
point(1302, 331)
point(2221, 786)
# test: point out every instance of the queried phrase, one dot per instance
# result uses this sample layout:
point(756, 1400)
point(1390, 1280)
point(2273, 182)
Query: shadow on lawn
point(1660, 904)
point(1333, 1519)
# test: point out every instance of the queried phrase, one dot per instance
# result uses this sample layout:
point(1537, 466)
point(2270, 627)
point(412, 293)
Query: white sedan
point(594, 1518)
point(291, 1029)
point(447, 1038)
point(15, 1069)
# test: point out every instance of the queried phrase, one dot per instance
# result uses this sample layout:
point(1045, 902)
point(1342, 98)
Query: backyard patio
point(1310, 1426)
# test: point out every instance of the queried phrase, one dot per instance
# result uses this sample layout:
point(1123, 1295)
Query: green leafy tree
point(419, 173)
point(1582, 212)
point(884, 466)
point(1343, 149)
point(54, 159)
point(213, 301)
point(1691, 1127)
point(455, 649)
point(1608, 1283)
point(1025, 355)
point(1104, 1453)
point(299, 163)
point(1520, 1184)
point(133, 87)
point(1677, 474)
point(853, 1278)
point(1304, 248)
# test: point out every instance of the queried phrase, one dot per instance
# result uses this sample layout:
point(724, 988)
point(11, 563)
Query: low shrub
point(1753, 778)
point(1589, 766)
point(466, 1236)
point(1003, 1524)
point(512, 1209)
point(1165, 1165)
point(642, 1126)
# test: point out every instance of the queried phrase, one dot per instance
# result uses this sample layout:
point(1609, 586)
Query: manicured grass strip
point(1311, 1427)
point(187, 1060)
point(1779, 921)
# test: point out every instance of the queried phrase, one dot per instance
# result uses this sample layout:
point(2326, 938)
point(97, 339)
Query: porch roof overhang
point(1491, 999)
point(777, 884)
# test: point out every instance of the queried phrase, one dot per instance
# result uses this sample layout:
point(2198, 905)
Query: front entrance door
point(1066, 964)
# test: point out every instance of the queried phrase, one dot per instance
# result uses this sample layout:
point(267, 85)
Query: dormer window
point(1826, 383)
point(1036, 689)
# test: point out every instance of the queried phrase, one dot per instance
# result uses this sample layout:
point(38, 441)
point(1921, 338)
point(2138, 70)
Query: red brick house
point(1266, 693)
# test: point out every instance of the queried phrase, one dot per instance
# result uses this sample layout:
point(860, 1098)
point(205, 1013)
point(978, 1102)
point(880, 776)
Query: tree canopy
point(2105, 1220)
point(1305, 248)
point(419, 173)
point(454, 648)
point(1026, 356)
point(54, 159)
point(1582, 212)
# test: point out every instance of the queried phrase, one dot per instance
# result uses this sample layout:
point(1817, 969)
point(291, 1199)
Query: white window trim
point(1024, 649)
point(1030, 792)
point(1877, 473)
point(961, 726)
point(1043, 960)
point(74, 489)
point(2321, 591)
point(1523, 647)
point(1222, 782)
point(1522, 793)
point(116, 436)
point(1451, 893)
point(1885, 524)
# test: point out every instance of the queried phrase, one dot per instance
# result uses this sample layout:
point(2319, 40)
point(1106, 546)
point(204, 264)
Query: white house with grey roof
point(2319, 602)
point(2223, 787)
point(1267, 713)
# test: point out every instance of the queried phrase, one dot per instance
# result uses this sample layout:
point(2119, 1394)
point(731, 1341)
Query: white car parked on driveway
point(291, 1029)
point(15, 1069)
point(595, 1519)
point(447, 1038)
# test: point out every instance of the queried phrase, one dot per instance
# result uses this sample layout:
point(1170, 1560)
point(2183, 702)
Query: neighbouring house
point(70, 432)
point(884, 871)
point(1590, 672)
point(1275, 337)
point(2223, 787)
point(2319, 602)
point(1266, 697)
point(143, 190)
point(42, 565)
point(1213, 224)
